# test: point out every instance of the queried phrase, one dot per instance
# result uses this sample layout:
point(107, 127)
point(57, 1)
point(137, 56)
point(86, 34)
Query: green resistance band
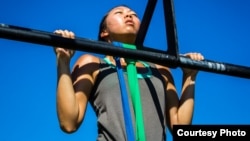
point(135, 95)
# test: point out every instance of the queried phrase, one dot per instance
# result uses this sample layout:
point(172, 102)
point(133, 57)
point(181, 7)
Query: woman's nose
point(128, 16)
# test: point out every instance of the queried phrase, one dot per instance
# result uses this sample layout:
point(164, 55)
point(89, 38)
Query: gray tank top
point(106, 101)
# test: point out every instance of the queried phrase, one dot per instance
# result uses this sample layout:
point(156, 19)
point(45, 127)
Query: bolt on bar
point(82, 44)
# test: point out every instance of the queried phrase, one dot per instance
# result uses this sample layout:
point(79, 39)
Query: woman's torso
point(106, 102)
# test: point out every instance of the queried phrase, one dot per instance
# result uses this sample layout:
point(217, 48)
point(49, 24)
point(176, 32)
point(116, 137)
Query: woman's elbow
point(68, 128)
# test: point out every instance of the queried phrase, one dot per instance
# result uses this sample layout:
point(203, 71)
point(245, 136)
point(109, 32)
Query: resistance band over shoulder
point(134, 92)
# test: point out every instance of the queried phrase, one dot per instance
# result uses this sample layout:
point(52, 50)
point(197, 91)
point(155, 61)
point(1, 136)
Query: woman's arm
point(73, 89)
point(186, 103)
point(67, 103)
point(180, 110)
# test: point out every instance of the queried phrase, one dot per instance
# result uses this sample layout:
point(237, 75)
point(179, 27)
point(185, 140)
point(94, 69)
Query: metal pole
point(82, 44)
point(145, 23)
point(171, 31)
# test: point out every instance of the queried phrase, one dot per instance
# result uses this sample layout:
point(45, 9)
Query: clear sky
point(219, 29)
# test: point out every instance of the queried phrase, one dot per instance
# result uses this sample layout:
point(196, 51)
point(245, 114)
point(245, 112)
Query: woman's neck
point(125, 38)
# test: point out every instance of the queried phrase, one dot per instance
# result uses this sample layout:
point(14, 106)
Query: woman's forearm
point(186, 107)
point(67, 107)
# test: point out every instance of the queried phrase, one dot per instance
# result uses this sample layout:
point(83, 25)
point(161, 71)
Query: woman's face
point(122, 24)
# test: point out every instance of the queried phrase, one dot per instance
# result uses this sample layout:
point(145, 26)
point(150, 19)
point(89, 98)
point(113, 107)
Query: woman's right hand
point(62, 52)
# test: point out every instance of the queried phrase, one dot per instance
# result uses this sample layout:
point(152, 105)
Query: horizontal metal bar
point(99, 47)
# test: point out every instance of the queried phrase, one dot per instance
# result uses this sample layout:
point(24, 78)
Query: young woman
point(95, 80)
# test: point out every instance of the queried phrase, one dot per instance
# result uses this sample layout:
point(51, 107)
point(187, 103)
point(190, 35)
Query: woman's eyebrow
point(119, 8)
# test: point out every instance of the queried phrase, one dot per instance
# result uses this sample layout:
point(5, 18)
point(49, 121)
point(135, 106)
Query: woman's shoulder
point(87, 59)
point(86, 63)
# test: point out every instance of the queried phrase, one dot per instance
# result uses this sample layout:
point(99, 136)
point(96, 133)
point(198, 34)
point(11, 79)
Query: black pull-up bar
point(82, 44)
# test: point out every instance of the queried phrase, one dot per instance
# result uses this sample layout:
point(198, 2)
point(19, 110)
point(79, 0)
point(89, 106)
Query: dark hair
point(102, 24)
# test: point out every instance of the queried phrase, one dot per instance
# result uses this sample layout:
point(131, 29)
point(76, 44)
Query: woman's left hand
point(194, 56)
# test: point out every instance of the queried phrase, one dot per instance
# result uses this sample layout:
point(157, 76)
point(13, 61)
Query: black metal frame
point(172, 48)
point(168, 58)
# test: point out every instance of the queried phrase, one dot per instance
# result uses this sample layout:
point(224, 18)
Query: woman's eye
point(134, 15)
point(118, 12)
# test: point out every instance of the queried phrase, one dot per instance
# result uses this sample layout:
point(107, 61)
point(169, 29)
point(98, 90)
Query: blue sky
point(219, 29)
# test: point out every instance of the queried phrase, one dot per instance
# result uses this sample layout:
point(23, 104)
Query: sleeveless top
point(105, 99)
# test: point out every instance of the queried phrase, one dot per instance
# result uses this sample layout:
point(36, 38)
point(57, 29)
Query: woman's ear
point(104, 34)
